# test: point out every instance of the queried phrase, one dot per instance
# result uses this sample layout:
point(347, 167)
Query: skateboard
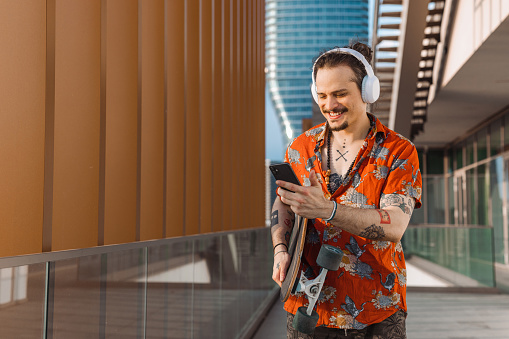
point(328, 259)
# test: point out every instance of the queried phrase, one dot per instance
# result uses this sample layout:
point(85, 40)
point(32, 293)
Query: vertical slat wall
point(129, 120)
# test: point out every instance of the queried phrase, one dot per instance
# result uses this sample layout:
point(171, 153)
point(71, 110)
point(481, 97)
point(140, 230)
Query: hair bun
point(364, 49)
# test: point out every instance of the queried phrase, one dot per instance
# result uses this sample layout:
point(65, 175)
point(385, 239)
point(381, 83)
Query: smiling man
point(361, 182)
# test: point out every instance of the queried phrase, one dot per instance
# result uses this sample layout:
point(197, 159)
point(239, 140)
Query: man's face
point(339, 98)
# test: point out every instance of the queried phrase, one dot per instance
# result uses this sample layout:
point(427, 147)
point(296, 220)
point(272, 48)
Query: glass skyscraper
point(296, 31)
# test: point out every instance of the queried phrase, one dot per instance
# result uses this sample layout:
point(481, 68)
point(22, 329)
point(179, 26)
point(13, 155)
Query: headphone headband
point(352, 52)
point(370, 84)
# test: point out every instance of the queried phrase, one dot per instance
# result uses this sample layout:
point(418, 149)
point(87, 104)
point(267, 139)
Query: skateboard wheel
point(303, 322)
point(329, 257)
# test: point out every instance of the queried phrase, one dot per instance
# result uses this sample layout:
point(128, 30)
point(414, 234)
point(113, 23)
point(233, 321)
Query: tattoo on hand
point(385, 218)
point(373, 232)
point(274, 218)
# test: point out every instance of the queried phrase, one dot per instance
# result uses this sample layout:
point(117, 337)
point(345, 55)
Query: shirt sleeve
point(404, 175)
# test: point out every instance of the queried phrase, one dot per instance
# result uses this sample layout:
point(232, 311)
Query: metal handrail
point(38, 258)
point(462, 226)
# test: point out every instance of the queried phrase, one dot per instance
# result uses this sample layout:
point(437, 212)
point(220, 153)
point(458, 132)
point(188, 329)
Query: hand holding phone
point(284, 172)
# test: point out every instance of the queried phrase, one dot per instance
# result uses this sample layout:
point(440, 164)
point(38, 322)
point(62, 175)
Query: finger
point(286, 197)
point(276, 276)
point(282, 275)
point(313, 178)
point(288, 185)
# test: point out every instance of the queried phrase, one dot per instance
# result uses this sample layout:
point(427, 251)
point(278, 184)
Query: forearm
point(282, 219)
point(375, 224)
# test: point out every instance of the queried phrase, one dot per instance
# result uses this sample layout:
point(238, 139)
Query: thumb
point(313, 178)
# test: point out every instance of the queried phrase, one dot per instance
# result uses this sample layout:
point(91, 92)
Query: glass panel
point(450, 188)
point(482, 151)
point(418, 216)
point(435, 200)
point(497, 203)
point(450, 159)
point(459, 194)
point(76, 298)
point(435, 162)
point(208, 308)
point(124, 293)
point(458, 155)
point(469, 149)
point(482, 195)
point(464, 254)
point(495, 140)
point(170, 290)
point(471, 198)
point(199, 287)
point(506, 133)
point(420, 156)
point(22, 301)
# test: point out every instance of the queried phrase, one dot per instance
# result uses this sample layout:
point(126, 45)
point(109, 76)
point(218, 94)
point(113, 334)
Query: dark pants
point(393, 327)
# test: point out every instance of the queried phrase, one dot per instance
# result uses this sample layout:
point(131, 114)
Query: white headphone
point(370, 84)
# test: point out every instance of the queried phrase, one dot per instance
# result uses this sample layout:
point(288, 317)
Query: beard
point(341, 127)
point(344, 125)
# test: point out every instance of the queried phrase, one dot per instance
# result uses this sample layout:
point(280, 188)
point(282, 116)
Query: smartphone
point(284, 172)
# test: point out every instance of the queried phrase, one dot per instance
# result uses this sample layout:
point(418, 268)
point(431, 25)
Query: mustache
point(336, 110)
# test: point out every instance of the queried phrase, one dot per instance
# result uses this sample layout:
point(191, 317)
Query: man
point(361, 182)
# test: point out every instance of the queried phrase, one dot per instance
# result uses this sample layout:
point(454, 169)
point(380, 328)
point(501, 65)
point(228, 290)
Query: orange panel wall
point(121, 121)
point(22, 124)
point(76, 124)
point(152, 119)
point(176, 117)
point(129, 120)
point(193, 115)
point(206, 117)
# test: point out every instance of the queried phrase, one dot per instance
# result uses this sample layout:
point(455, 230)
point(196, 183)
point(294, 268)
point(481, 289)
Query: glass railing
point(206, 286)
point(461, 255)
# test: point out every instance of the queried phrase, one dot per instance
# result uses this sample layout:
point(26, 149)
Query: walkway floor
point(437, 315)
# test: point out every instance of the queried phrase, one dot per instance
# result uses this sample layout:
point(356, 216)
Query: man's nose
point(330, 103)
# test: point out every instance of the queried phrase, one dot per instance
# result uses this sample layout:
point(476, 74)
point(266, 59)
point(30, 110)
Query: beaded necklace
point(328, 173)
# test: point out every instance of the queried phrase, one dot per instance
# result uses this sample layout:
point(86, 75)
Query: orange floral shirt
point(370, 284)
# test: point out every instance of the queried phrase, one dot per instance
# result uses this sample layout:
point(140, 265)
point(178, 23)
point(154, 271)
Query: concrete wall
point(474, 21)
point(129, 120)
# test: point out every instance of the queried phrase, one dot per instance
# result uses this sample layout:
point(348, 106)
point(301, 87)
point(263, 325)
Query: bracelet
point(280, 252)
point(281, 243)
point(333, 212)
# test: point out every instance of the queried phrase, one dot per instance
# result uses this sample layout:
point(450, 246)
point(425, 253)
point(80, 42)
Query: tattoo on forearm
point(288, 222)
point(385, 218)
point(274, 218)
point(373, 232)
point(292, 214)
point(406, 204)
point(287, 237)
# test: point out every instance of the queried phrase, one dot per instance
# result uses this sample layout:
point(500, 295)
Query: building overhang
point(478, 91)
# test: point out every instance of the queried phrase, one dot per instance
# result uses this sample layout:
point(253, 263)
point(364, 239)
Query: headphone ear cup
point(313, 92)
point(370, 89)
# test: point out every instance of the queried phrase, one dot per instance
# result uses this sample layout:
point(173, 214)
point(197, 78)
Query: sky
point(274, 145)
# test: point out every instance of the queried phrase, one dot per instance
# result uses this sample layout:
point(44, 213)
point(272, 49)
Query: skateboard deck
point(295, 248)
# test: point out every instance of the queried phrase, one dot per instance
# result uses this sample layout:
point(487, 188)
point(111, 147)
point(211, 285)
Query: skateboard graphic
point(328, 259)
